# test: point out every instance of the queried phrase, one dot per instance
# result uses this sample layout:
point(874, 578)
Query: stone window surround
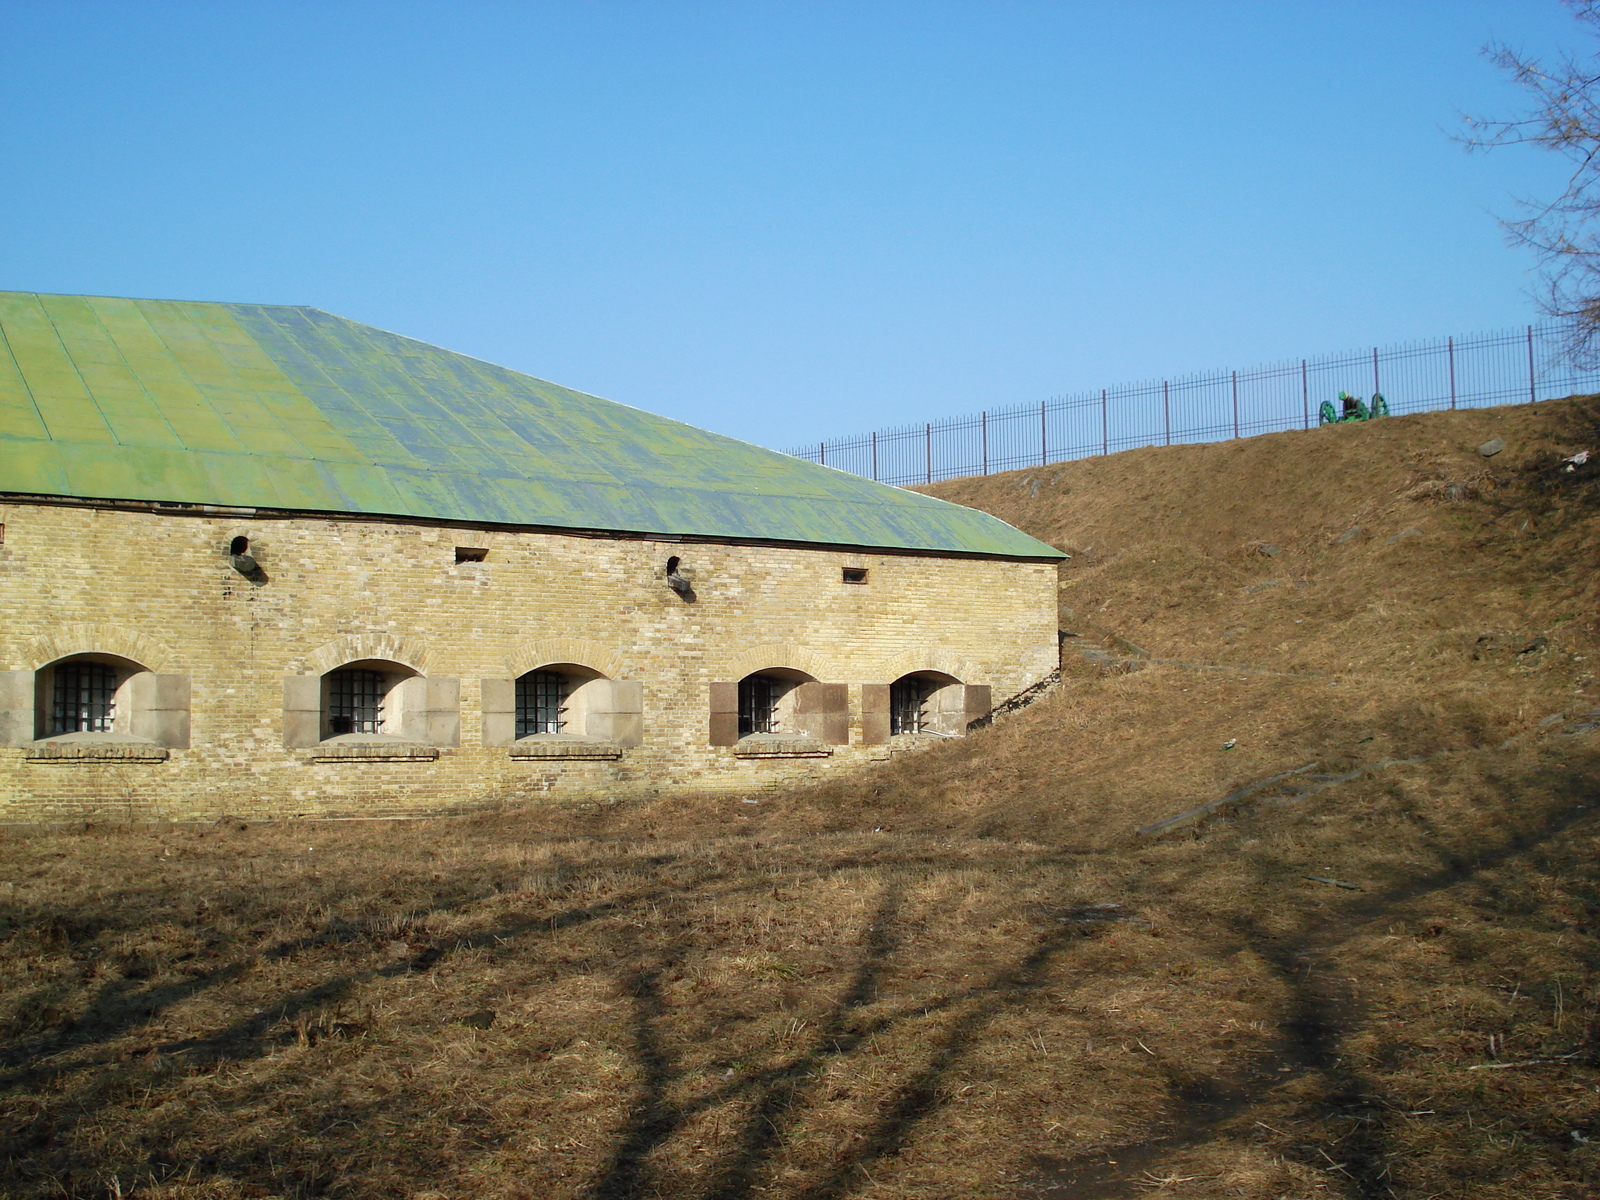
point(163, 702)
point(601, 715)
point(811, 717)
point(421, 714)
point(951, 708)
point(150, 714)
point(940, 708)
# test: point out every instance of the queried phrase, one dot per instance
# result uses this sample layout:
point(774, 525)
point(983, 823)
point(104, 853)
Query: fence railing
point(1513, 366)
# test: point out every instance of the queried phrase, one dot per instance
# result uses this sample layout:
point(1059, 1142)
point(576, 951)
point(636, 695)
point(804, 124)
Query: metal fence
point(1510, 367)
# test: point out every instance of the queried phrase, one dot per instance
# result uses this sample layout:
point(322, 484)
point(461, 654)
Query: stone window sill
point(95, 748)
point(546, 747)
point(372, 750)
point(765, 745)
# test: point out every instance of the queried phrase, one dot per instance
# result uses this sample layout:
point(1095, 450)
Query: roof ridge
point(150, 299)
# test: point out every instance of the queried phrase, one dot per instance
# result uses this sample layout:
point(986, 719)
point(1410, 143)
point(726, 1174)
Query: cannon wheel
point(1327, 414)
point(1380, 406)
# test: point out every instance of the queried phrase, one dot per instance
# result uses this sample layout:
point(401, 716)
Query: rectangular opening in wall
point(471, 554)
point(855, 574)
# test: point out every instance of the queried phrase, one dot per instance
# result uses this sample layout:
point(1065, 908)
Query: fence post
point(1235, 375)
point(1105, 437)
point(874, 456)
point(1450, 344)
point(1376, 387)
point(1532, 397)
point(1305, 396)
point(1044, 437)
point(822, 453)
point(928, 429)
point(1166, 412)
point(983, 417)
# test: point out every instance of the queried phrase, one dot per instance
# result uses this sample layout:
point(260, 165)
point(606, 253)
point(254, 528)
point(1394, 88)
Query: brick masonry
point(161, 591)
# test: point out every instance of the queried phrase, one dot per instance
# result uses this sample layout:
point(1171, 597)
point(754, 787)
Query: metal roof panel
point(294, 408)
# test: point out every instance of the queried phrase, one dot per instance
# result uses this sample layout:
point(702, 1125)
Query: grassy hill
point(1372, 971)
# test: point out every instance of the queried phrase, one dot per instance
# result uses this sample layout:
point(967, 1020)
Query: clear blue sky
point(784, 221)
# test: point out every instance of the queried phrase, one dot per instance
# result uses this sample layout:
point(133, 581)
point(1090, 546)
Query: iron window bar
point(355, 701)
point(907, 698)
point(541, 701)
point(758, 705)
point(85, 698)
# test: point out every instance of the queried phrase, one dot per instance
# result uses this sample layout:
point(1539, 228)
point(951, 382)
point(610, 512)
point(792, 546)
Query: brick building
point(267, 561)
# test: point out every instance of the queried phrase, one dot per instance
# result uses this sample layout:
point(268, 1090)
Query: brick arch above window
point(542, 652)
point(360, 647)
point(781, 654)
point(69, 640)
point(942, 662)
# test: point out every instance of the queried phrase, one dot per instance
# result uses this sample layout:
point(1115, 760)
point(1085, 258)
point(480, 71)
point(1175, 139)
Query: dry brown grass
point(907, 983)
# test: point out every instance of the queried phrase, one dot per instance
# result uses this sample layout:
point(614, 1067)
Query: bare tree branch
point(1564, 118)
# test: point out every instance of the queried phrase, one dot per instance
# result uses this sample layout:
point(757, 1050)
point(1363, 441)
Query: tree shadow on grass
point(776, 1091)
point(122, 1006)
point(769, 1104)
point(46, 1065)
point(1321, 1010)
point(776, 1097)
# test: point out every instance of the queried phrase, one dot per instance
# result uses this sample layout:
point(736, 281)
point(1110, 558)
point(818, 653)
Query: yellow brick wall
point(159, 589)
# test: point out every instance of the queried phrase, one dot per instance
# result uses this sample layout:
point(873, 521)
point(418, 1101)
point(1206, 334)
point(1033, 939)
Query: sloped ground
point(963, 973)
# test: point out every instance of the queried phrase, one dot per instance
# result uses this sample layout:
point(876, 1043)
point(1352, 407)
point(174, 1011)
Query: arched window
point(371, 708)
point(83, 697)
point(758, 704)
point(365, 699)
point(542, 702)
point(770, 708)
point(559, 698)
point(907, 697)
point(562, 709)
point(94, 697)
point(927, 702)
point(356, 701)
point(766, 701)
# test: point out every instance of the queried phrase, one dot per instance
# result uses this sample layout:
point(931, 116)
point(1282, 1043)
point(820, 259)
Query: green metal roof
point(258, 406)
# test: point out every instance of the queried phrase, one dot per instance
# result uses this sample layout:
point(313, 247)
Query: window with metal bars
point(758, 704)
point(541, 701)
point(85, 698)
point(907, 699)
point(355, 701)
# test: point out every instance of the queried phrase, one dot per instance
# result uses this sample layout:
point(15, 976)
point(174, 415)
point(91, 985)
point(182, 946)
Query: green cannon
point(1351, 408)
